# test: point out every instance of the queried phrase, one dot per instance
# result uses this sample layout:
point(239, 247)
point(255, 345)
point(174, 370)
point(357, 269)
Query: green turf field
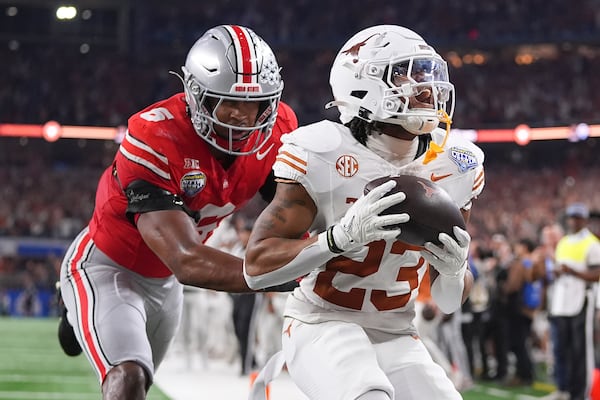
point(491, 391)
point(32, 365)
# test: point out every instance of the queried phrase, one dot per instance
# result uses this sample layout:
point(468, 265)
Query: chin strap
point(434, 148)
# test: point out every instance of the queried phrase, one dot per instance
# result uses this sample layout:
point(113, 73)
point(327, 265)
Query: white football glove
point(449, 260)
point(361, 224)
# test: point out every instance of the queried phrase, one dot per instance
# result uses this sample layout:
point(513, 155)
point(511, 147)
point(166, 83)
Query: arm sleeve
point(144, 197)
point(447, 291)
point(267, 191)
point(310, 258)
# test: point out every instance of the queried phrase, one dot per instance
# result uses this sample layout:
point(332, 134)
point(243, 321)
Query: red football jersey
point(162, 147)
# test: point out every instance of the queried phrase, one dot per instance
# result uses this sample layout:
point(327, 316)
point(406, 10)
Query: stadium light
point(53, 131)
point(12, 11)
point(66, 12)
point(522, 134)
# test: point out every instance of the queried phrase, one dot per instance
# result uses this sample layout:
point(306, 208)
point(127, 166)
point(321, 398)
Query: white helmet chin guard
point(388, 73)
point(232, 63)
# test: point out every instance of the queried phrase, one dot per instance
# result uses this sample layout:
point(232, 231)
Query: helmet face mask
point(227, 65)
point(389, 74)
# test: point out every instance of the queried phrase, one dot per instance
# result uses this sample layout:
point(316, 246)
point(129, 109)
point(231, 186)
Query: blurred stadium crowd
point(553, 82)
point(512, 62)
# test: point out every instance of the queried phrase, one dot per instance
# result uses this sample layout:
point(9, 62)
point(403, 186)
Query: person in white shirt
point(572, 306)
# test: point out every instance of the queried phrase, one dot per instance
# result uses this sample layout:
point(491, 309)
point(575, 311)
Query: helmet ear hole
point(359, 94)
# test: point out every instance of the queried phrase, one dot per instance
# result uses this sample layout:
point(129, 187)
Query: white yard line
point(45, 378)
point(47, 396)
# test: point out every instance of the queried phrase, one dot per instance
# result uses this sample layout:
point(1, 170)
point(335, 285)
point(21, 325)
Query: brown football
point(430, 207)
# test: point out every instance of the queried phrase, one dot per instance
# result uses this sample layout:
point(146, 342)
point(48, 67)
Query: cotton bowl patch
point(192, 183)
point(465, 159)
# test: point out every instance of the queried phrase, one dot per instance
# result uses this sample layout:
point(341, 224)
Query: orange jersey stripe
point(294, 166)
point(425, 288)
point(293, 157)
point(479, 181)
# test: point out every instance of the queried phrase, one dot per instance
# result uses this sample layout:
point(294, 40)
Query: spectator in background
point(256, 318)
point(523, 290)
point(269, 326)
point(245, 305)
point(496, 326)
point(196, 340)
point(572, 306)
point(28, 303)
point(549, 237)
point(453, 344)
point(475, 311)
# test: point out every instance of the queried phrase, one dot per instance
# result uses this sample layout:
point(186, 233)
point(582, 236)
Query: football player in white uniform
point(348, 330)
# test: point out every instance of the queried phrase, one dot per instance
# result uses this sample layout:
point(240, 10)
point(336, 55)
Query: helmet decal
point(270, 73)
point(355, 48)
point(245, 54)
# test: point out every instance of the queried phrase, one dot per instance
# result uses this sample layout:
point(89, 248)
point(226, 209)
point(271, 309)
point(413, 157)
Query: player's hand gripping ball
point(430, 207)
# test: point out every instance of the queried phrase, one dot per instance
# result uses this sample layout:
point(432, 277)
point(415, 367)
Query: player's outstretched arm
point(276, 253)
point(278, 238)
point(172, 236)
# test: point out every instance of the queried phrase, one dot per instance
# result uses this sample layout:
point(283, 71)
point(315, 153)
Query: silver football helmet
point(390, 74)
point(232, 63)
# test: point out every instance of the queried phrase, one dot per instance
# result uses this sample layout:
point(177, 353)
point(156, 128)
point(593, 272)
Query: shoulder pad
point(320, 137)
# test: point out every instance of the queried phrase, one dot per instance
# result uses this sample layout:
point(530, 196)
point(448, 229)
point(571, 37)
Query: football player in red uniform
point(185, 163)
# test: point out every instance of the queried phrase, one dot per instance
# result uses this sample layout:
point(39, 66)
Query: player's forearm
point(210, 268)
point(275, 261)
point(449, 293)
point(173, 237)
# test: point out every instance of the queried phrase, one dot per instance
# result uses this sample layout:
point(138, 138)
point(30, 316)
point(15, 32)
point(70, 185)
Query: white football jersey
point(334, 168)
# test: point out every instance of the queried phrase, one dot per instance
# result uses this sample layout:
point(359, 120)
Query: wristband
point(284, 287)
point(331, 243)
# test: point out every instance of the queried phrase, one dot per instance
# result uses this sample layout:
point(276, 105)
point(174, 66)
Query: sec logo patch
point(346, 165)
point(192, 183)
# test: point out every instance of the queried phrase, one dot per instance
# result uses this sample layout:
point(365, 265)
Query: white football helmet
point(379, 70)
point(232, 63)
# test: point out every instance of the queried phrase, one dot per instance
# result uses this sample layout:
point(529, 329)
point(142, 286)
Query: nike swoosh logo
point(260, 156)
point(435, 178)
